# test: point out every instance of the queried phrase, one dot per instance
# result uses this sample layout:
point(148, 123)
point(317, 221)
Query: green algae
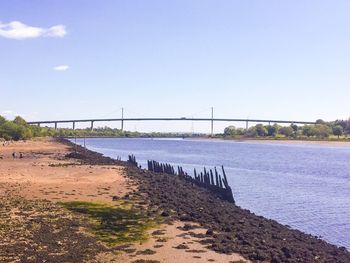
point(115, 224)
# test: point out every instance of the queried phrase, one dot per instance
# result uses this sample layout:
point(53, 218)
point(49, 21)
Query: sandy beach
point(38, 228)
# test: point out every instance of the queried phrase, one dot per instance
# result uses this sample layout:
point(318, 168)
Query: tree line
point(18, 129)
point(319, 130)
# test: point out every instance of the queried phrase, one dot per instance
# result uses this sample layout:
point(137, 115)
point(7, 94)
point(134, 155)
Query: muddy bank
point(231, 228)
point(40, 231)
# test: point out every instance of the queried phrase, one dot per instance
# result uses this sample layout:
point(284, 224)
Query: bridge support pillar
point(55, 125)
point(92, 125)
point(122, 123)
point(73, 125)
point(38, 124)
point(246, 125)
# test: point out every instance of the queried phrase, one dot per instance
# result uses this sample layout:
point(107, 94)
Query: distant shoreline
point(336, 143)
point(341, 143)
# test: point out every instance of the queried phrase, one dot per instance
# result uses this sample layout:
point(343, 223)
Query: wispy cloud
point(18, 30)
point(61, 68)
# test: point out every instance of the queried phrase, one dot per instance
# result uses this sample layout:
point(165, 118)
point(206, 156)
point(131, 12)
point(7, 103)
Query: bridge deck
point(170, 119)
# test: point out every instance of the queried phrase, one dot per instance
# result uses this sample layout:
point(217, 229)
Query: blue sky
point(255, 59)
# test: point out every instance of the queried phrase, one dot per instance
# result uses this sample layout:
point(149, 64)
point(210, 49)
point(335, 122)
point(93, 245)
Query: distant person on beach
point(20, 155)
point(14, 155)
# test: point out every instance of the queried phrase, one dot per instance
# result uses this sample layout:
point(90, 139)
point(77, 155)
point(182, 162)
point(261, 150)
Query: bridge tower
point(212, 121)
point(122, 126)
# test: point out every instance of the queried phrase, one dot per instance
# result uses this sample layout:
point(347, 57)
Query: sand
point(43, 173)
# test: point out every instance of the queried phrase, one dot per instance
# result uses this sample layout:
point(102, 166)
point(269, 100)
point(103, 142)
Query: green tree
point(251, 132)
point(294, 127)
point(338, 130)
point(240, 131)
point(2, 120)
point(230, 131)
point(20, 121)
point(308, 130)
point(347, 127)
point(322, 131)
point(11, 130)
point(286, 131)
point(320, 121)
point(261, 130)
point(272, 130)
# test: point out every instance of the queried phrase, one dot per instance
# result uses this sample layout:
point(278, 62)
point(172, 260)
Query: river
point(304, 186)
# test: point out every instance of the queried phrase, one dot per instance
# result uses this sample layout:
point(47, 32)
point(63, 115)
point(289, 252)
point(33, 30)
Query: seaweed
point(115, 224)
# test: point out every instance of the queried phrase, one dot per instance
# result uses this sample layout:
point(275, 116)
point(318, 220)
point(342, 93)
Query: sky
point(72, 59)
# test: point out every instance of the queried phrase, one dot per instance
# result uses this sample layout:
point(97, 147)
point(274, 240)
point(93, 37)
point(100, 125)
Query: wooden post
point(225, 178)
point(216, 177)
point(212, 177)
point(220, 181)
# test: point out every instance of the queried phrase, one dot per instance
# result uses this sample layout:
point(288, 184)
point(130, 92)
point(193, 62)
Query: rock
point(165, 213)
point(187, 227)
point(209, 232)
point(185, 217)
point(286, 252)
point(182, 246)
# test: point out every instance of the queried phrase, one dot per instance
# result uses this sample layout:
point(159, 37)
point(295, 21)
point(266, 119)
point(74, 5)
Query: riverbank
point(59, 205)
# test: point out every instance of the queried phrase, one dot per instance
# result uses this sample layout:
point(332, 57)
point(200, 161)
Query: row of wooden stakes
point(132, 160)
point(158, 167)
point(207, 177)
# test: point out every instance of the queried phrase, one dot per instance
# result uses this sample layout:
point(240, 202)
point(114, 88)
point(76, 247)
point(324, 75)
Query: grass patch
point(115, 224)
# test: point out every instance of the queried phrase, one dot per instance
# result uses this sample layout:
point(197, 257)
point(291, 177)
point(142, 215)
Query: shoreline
point(222, 230)
point(332, 143)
